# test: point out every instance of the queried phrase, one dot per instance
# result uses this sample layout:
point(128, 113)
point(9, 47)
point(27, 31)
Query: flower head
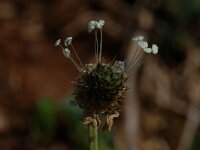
point(100, 88)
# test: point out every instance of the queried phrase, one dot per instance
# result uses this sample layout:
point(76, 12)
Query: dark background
point(163, 108)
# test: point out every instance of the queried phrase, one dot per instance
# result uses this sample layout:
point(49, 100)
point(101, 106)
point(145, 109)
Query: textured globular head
point(101, 88)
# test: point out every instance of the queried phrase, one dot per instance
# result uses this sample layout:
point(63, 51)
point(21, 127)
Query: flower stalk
point(93, 136)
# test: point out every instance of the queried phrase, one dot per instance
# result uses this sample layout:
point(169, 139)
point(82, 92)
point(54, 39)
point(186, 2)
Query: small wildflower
point(154, 48)
point(66, 52)
point(100, 88)
point(68, 41)
point(57, 42)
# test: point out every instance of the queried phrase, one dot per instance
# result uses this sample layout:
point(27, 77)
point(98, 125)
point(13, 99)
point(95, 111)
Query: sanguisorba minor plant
point(100, 88)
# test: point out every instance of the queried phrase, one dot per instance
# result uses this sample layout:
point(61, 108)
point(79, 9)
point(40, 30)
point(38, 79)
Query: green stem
point(93, 137)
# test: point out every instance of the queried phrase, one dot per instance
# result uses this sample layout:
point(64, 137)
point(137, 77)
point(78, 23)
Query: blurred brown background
point(163, 103)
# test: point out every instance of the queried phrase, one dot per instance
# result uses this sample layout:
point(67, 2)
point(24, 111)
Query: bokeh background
point(163, 103)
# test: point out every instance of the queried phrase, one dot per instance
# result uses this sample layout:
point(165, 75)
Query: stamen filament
point(134, 61)
point(77, 56)
point(75, 64)
point(100, 53)
point(61, 46)
point(96, 46)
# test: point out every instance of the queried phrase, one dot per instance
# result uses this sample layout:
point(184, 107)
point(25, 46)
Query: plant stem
point(93, 137)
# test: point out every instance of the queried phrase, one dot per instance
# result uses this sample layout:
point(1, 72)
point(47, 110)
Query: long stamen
point(77, 56)
point(75, 64)
point(133, 65)
point(96, 46)
point(136, 58)
point(135, 61)
point(134, 68)
point(61, 46)
point(100, 53)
